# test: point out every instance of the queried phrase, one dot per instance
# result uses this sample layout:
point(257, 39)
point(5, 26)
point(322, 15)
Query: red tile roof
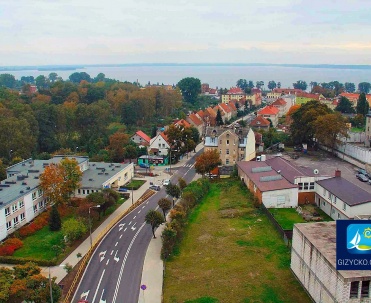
point(235, 91)
point(195, 119)
point(143, 136)
point(218, 107)
point(182, 122)
point(164, 137)
point(280, 102)
point(269, 110)
point(256, 91)
point(232, 106)
point(200, 113)
point(213, 91)
point(209, 112)
point(259, 121)
point(225, 107)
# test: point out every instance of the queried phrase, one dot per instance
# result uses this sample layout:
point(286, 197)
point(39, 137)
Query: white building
point(313, 261)
point(22, 199)
point(159, 145)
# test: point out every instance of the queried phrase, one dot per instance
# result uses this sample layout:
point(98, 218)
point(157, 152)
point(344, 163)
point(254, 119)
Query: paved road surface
point(114, 272)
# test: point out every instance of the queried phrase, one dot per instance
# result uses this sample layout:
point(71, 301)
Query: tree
point(71, 174)
point(41, 82)
point(7, 80)
point(300, 84)
point(130, 152)
point(74, 229)
point(117, 144)
point(207, 161)
point(312, 84)
point(219, 119)
point(53, 77)
point(242, 84)
point(350, 87)
point(345, 106)
point(272, 85)
point(278, 84)
point(259, 84)
point(173, 190)
point(362, 105)
point(55, 222)
point(330, 128)
point(182, 184)
point(78, 77)
point(155, 219)
point(190, 88)
point(165, 205)
point(364, 87)
point(100, 77)
point(302, 129)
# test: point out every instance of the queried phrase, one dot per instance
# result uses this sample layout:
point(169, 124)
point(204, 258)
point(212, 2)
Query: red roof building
point(141, 138)
point(270, 112)
point(260, 123)
point(183, 123)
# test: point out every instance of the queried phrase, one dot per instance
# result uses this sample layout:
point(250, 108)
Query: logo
point(359, 238)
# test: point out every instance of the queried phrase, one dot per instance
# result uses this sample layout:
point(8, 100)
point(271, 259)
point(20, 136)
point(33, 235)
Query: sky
point(50, 32)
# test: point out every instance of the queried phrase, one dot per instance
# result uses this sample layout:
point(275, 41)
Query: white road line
point(123, 264)
point(107, 262)
point(130, 222)
point(125, 228)
point(102, 301)
point(139, 212)
point(100, 281)
point(143, 206)
point(120, 236)
point(147, 202)
point(116, 243)
point(134, 217)
point(112, 252)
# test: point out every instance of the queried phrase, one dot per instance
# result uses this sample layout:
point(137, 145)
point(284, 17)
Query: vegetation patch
point(134, 184)
point(286, 217)
point(235, 259)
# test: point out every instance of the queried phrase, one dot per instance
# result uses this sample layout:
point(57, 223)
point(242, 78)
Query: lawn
point(135, 184)
point(286, 217)
point(357, 130)
point(230, 253)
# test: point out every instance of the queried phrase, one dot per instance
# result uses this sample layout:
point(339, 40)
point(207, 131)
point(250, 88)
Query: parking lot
point(327, 164)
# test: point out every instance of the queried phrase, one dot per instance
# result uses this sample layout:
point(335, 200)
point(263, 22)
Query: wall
point(306, 197)
point(283, 198)
point(353, 154)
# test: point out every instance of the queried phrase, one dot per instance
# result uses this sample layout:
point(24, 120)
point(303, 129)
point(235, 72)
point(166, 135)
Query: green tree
point(259, 84)
point(345, 106)
point(77, 77)
point(362, 105)
point(53, 77)
point(242, 84)
point(7, 80)
point(190, 88)
point(272, 85)
point(300, 84)
point(55, 222)
point(42, 82)
point(364, 87)
point(71, 175)
point(312, 84)
point(350, 87)
point(100, 78)
point(219, 119)
point(173, 190)
point(165, 205)
point(207, 161)
point(182, 184)
point(130, 152)
point(74, 229)
point(155, 219)
point(278, 84)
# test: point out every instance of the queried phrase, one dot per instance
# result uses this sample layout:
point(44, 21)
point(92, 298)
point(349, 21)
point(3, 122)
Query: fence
point(286, 234)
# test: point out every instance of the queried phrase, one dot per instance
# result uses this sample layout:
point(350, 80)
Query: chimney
point(338, 173)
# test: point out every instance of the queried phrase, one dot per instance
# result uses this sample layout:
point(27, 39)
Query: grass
point(230, 253)
point(135, 184)
point(286, 217)
point(357, 130)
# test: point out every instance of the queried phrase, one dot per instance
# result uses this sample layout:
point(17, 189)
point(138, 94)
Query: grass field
point(230, 253)
point(286, 217)
point(135, 184)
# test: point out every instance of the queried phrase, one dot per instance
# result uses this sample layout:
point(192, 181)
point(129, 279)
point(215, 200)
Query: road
point(113, 274)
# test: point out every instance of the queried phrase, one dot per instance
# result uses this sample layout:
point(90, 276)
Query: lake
point(215, 75)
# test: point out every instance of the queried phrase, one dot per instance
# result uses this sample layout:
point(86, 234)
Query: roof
point(258, 138)
point(259, 121)
point(200, 113)
point(232, 106)
point(287, 90)
point(256, 91)
point(279, 101)
point(164, 137)
point(183, 123)
point(195, 119)
point(235, 91)
point(346, 191)
point(225, 107)
point(247, 166)
point(308, 95)
point(143, 136)
point(210, 112)
point(322, 235)
point(269, 110)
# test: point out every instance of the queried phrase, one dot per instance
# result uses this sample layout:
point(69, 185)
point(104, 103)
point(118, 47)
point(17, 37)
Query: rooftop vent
point(24, 183)
point(117, 166)
point(112, 169)
point(93, 164)
point(21, 191)
point(28, 188)
point(1, 203)
point(91, 180)
point(36, 177)
point(23, 164)
point(4, 185)
point(10, 182)
point(100, 173)
point(261, 169)
point(270, 178)
point(106, 173)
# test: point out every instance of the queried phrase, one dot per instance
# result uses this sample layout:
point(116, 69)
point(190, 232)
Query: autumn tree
point(207, 161)
point(182, 184)
point(117, 143)
point(155, 219)
point(362, 105)
point(345, 106)
point(329, 128)
point(165, 205)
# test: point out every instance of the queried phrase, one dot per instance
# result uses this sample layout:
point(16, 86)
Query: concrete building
point(341, 199)
point(282, 106)
point(232, 144)
point(313, 262)
point(140, 138)
point(260, 123)
point(269, 112)
point(22, 199)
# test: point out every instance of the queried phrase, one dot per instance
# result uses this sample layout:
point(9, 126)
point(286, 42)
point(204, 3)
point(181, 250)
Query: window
point(39, 192)
point(338, 216)
point(333, 211)
point(35, 208)
point(220, 141)
point(324, 203)
point(79, 191)
point(311, 185)
point(34, 196)
point(365, 289)
point(7, 211)
point(8, 225)
point(22, 216)
point(300, 186)
point(226, 161)
point(14, 207)
point(83, 191)
point(335, 199)
point(344, 206)
point(354, 289)
point(227, 151)
point(41, 204)
point(227, 142)
point(21, 204)
point(306, 186)
point(15, 221)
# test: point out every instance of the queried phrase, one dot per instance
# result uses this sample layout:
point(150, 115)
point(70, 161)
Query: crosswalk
point(189, 165)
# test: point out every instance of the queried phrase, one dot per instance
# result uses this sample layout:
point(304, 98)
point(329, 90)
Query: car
point(211, 176)
point(144, 165)
point(298, 148)
point(166, 182)
point(362, 177)
point(155, 187)
point(362, 171)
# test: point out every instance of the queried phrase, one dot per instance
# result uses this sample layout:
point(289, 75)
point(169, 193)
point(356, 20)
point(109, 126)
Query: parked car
point(211, 176)
point(298, 148)
point(362, 171)
point(123, 189)
point(166, 182)
point(362, 177)
point(155, 187)
point(144, 165)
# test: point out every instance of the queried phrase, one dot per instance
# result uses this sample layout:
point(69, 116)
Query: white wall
point(283, 198)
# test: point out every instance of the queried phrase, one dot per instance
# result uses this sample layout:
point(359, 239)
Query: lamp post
point(170, 161)
point(91, 241)
point(10, 155)
point(50, 287)
point(76, 149)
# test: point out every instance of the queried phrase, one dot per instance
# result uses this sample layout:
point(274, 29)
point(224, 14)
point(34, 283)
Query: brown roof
point(225, 107)
point(195, 119)
point(143, 136)
point(259, 121)
point(268, 110)
point(183, 123)
point(247, 166)
point(232, 106)
point(210, 112)
point(201, 113)
point(346, 191)
point(235, 91)
point(279, 101)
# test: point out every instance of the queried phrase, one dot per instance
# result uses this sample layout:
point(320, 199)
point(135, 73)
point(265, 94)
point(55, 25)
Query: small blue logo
point(359, 238)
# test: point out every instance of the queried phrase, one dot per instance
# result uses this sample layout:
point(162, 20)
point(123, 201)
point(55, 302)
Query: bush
point(74, 229)
point(10, 246)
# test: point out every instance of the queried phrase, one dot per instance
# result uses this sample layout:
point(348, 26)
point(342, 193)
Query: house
point(353, 97)
point(152, 160)
point(234, 93)
point(313, 262)
point(222, 112)
point(282, 106)
point(196, 122)
point(233, 108)
point(232, 144)
point(290, 100)
point(140, 138)
point(287, 91)
point(269, 112)
point(182, 123)
point(341, 199)
point(205, 88)
point(209, 117)
point(268, 186)
point(260, 123)
point(227, 110)
point(22, 199)
point(159, 145)
point(273, 95)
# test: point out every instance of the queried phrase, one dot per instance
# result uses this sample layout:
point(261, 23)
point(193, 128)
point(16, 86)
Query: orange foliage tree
point(292, 110)
point(207, 161)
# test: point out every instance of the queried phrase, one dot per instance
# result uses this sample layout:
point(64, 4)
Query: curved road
point(113, 274)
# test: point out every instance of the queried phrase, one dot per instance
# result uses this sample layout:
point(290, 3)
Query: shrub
point(10, 246)
point(74, 229)
point(55, 222)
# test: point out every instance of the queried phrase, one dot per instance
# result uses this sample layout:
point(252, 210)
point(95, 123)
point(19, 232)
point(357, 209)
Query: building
point(269, 112)
point(232, 144)
point(140, 138)
point(159, 145)
point(182, 123)
point(282, 106)
point(341, 199)
point(290, 100)
point(22, 199)
point(353, 97)
point(273, 95)
point(287, 91)
point(205, 88)
point(196, 122)
point(313, 262)
point(234, 93)
point(368, 129)
point(260, 123)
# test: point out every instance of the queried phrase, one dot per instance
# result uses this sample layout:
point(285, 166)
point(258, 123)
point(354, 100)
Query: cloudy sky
point(38, 32)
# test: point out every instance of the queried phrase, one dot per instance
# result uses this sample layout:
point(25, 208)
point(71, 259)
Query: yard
point(134, 184)
point(230, 253)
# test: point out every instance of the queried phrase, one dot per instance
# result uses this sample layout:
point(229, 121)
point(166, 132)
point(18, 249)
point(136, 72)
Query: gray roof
point(323, 236)
point(348, 192)
point(217, 131)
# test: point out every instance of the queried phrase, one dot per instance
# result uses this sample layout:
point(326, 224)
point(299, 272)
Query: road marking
point(107, 262)
point(116, 258)
point(101, 300)
point(147, 202)
point(102, 254)
point(121, 226)
point(120, 236)
point(139, 212)
point(134, 217)
point(133, 228)
point(112, 252)
point(100, 281)
point(85, 295)
point(123, 264)
point(144, 206)
point(116, 243)
point(125, 228)
point(130, 222)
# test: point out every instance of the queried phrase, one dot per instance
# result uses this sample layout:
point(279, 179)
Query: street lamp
point(91, 241)
point(10, 155)
point(50, 286)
